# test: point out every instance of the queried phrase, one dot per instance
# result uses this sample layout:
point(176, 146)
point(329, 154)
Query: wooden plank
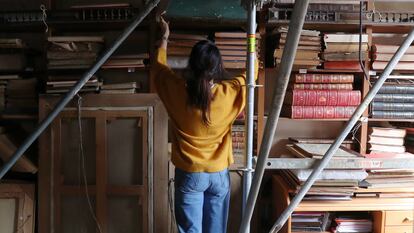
point(44, 176)
point(134, 190)
point(160, 142)
point(146, 160)
point(56, 168)
point(101, 173)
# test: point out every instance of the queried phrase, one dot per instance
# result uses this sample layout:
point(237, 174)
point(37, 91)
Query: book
point(300, 55)
point(324, 78)
point(386, 148)
point(344, 38)
point(380, 65)
point(323, 98)
point(385, 140)
point(342, 56)
point(387, 132)
point(304, 63)
point(342, 65)
point(392, 115)
point(345, 47)
point(397, 107)
point(391, 49)
point(394, 98)
point(396, 89)
point(322, 86)
point(388, 57)
point(318, 112)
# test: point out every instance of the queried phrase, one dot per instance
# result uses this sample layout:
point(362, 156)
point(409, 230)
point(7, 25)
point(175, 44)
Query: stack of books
point(409, 140)
point(307, 54)
point(342, 51)
point(311, 221)
point(335, 184)
point(233, 48)
point(353, 222)
point(383, 53)
point(73, 52)
point(4, 80)
point(395, 100)
point(321, 96)
point(127, 61)
point(119, 88)
point(21, 95)
point(60, 84)
point(238, 134)
point(12, 55)
point(179, 48)
point(386, 141)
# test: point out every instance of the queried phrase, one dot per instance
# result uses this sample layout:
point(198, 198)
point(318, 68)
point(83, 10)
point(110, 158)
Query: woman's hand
point(165, 29)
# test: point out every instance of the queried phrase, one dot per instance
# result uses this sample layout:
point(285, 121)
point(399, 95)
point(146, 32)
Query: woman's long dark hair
point(205, 65)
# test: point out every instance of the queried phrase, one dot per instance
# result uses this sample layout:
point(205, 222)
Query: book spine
point(392, 115)
point(394, 98)
point(397, 89)
point(399, 107)
point(322, 86)
point(345, 65)
point(321, 112)
point(325, 98)
point(324, 78)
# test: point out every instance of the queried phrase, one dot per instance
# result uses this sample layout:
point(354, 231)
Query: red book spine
point(321, 112)
point(325, 98)
point(342, 65)
point(324, 78)
point(322, 86)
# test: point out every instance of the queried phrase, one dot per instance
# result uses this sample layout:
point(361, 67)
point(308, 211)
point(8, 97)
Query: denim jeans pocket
point(225, 179)
point(186, 181)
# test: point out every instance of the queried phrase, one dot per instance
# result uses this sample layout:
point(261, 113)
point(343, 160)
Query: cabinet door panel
point(125, 151)
point(73, 163)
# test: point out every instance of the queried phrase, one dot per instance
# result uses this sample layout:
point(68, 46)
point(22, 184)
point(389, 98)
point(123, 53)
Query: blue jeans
point(202, 201)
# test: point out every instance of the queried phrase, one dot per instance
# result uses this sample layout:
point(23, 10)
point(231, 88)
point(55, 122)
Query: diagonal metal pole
point(289, 52)
point(334, 147)
point(75, 89)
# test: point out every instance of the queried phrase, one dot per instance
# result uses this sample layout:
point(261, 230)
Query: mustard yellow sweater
point(197, 147)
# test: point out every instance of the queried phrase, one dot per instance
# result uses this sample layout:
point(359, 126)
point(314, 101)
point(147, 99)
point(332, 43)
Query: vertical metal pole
point(251, 57)
point(285, 67)
point(334, 147)
point(75, 89)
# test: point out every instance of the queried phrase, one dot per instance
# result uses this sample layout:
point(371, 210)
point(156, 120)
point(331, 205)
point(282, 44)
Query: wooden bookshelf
point(388, 214)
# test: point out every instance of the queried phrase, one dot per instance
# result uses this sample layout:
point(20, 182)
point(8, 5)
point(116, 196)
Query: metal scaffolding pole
point(334, 147)
point(251, 56)
point(295, 28)
point(75, 89)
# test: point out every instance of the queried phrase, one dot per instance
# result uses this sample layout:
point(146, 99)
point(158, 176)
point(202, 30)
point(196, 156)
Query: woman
point(202, 109)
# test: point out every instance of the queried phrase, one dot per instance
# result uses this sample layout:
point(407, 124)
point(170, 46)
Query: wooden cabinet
point(111, 173)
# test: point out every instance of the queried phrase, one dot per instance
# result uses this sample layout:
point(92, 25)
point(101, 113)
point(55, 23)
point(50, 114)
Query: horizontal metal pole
point(298, 163)
point(75, 89)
